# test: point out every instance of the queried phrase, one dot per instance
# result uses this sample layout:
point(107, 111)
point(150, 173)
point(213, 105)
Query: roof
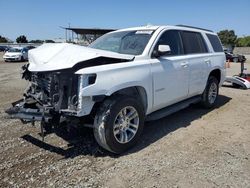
point(94, 31)
point(147, 27)
point(192, 27)
point(179, 27)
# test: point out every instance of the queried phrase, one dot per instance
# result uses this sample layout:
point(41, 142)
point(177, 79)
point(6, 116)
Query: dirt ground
point(191, 148)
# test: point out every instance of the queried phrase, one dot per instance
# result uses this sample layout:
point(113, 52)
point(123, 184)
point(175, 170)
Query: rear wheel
point(210, 93)
point(119, 123)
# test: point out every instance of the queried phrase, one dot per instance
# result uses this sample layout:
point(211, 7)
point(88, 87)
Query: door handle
point(207, 61)
point(184, 64)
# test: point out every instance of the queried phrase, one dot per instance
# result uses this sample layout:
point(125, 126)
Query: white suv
point(122, 79)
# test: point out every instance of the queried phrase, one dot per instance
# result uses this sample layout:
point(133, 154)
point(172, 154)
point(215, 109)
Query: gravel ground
point(191, 148)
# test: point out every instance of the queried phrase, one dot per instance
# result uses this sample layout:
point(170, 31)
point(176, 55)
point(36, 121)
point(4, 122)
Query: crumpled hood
point(49, 57)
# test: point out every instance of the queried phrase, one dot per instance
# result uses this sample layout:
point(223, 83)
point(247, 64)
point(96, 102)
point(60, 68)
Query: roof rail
point(194, 27)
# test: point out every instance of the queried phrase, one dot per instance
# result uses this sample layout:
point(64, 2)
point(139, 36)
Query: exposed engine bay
point(54, 89)
point(48, 93)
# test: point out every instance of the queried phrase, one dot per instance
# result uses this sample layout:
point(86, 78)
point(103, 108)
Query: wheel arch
point(216, 73)
point(138, 92)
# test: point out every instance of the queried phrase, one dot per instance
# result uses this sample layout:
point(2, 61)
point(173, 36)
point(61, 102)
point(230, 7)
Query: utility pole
point(69, 33)
point(65, 34)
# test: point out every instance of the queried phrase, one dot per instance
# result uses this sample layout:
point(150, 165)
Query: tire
point(112, 130)
point(48, 127)
point(22, 59)
point(210, 94)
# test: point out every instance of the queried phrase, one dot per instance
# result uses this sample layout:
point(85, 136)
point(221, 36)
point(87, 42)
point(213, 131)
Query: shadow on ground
point(234, 86)
point(81, 141)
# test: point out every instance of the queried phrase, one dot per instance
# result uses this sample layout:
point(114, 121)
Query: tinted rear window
point(215, 42)
point(193, 43)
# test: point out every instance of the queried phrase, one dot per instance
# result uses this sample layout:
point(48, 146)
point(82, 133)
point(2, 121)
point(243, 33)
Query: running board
point(173, 108)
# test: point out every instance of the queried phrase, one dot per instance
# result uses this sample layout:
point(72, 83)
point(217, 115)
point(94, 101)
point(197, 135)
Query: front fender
point(110, 81)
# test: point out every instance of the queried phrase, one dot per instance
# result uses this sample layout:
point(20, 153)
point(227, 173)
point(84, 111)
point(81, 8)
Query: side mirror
point(162, 50)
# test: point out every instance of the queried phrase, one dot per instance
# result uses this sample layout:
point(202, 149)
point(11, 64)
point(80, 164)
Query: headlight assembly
point(84, 81)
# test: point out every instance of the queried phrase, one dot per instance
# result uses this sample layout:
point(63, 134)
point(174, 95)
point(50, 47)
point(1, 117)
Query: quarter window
point(215, 42)
point(193, 43)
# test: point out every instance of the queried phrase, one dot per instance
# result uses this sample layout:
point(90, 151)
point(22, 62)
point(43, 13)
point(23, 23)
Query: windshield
point(14, 50)
point(124, 42)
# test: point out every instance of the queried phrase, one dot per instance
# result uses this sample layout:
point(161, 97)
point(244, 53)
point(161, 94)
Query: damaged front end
point(56, 92)
point(49, 95)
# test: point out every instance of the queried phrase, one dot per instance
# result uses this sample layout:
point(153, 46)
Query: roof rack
point(194, 27)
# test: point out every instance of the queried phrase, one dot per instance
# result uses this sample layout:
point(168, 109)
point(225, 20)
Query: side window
point(202, 42)
point(173, 39)
point(193, 43)
point(215, 42)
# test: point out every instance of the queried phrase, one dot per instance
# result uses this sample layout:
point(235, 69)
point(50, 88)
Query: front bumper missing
point(29, 115)
point(26, 115)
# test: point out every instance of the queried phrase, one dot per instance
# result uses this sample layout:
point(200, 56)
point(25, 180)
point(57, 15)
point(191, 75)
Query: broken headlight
point(84, 81)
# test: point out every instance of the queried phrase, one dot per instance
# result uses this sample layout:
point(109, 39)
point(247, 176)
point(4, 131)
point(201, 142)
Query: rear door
point(196, 52)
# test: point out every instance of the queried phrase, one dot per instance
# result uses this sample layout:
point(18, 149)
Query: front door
point(170, 81)
point(170, 72)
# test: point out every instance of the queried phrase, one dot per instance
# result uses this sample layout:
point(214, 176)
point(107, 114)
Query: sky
point(41, 19)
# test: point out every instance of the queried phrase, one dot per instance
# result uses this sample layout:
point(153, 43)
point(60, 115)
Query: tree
point(21, 39)
point(36, 41)
point(3, 39)
point(243, 42)
point(227, 37)
point(49, 41)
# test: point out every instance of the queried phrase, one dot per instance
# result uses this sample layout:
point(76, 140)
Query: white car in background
point(16, 54)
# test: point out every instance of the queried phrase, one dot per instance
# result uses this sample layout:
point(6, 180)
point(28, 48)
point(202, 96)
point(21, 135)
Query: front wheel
point(119, 123)
point(210, 93)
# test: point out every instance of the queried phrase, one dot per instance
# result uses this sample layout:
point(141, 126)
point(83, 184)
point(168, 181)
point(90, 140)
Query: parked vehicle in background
point(122, 79)
point(16, 54)
point(234, 57)
point(3, 48)
point(242, 58)
point(30, 47)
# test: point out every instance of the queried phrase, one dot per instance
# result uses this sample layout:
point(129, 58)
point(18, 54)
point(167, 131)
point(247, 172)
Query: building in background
point(83, 36)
